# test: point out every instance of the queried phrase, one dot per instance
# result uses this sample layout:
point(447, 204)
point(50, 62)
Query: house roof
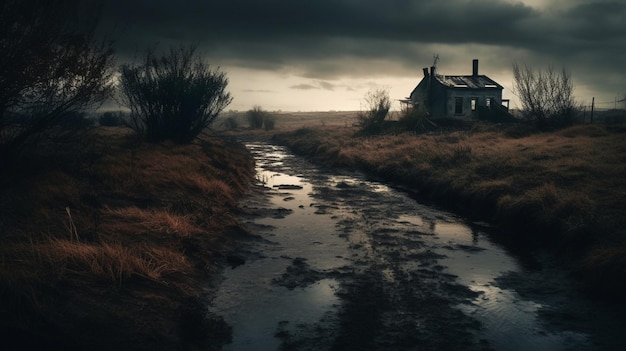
point(471, 82)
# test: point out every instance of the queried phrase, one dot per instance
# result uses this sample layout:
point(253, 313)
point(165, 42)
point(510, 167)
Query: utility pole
point(593, 100)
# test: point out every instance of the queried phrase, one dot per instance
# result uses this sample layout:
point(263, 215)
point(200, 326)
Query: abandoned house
point(471, 96)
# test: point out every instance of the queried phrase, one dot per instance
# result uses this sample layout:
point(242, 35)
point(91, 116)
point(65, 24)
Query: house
point(470, 96)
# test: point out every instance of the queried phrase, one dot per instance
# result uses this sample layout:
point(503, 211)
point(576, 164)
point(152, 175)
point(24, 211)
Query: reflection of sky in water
point(255, 309)
point(510, 322)
point(271, 179)
point(248, 300)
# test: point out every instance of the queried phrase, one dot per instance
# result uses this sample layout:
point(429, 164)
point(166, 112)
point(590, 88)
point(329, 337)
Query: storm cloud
point(332, 39)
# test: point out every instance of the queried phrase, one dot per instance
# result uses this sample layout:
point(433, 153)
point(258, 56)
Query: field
point(561, 190)
point(118, 243)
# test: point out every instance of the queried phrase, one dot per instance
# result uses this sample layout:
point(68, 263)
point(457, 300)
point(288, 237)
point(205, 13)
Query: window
point(474, 104)
point(458, 105)
point(488, 102)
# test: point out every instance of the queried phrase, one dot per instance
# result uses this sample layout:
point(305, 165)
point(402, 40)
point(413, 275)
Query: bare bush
point(377, 104)
point(173, 96)
point(52, 67)
point(415, 118)
point(259, 118)
point(255, 116)
point(547, 96)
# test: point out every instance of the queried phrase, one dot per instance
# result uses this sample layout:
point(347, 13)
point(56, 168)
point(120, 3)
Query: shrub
point(268, 122)
point(258, 118)
point(52, 67)
point(378, 105)
point(415, 119)
point(231, 123)
point(255, 116)
point(111, 119)
point(174, 96)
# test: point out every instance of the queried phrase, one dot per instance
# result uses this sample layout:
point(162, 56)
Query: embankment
point(109, 244)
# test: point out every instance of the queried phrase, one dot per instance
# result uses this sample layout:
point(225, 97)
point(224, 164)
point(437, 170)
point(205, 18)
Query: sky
point(325, 55)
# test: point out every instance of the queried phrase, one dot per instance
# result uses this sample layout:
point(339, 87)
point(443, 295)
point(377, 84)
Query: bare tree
point(174, 96)
point(51, 67)
point(547, 96)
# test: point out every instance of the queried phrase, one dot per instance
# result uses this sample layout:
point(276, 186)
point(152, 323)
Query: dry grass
point(112, 262)
point(564, 188)
point(120, 217)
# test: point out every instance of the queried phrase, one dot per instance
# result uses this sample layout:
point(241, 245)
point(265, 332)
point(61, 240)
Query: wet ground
point(339, 262)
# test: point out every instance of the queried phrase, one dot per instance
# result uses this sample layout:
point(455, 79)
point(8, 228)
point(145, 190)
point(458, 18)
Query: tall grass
point(120, 217)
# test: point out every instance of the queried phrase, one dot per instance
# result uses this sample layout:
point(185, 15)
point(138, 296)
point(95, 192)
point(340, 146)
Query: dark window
point(458, 105)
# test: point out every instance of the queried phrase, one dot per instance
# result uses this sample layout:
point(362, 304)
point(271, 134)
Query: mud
point(340, 262)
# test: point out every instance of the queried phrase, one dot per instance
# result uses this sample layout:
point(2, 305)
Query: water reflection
point(510, 322)
point(256, 313)
point(311, 229)
point(249, 299)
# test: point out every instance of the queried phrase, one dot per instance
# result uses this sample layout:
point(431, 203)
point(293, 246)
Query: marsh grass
point(563, 189)
point(121, 219)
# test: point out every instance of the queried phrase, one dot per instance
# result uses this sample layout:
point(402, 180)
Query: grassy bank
point(114, 246)
point(562, 190)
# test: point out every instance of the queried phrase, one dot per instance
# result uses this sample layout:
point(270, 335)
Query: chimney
point(425, 71)
point(475, 67)
point(432, 71)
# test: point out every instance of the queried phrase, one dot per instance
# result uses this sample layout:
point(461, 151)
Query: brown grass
point(121, 220)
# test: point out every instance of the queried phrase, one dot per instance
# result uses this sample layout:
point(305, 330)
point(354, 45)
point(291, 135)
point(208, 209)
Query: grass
point(562, 190)
point(108, 235)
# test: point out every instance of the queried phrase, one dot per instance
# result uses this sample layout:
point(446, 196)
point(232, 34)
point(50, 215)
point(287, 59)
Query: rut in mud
point(339, 262)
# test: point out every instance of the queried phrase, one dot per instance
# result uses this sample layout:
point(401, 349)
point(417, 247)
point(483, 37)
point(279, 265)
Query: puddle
point(256, 313)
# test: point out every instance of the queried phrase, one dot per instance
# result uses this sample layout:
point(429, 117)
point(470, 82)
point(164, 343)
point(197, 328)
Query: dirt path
point(343, 263)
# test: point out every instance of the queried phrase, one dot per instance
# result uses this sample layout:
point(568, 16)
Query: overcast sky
point(321, 55)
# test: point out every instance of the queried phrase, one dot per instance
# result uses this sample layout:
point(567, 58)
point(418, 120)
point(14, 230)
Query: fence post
point(593, 100)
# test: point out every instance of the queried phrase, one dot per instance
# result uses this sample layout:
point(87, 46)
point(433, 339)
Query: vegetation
point(415, 119)
point(377, 104)
point(111, 119)
point(562, 189)
point(110, 245)
point(52, 67)
point(547, 96)
point(174, 96)
point(258, 118)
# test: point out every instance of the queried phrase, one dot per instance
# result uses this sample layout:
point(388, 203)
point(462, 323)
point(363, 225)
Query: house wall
point(435, 103)
point(467, 95)
point(419, 95)
point(439, 101)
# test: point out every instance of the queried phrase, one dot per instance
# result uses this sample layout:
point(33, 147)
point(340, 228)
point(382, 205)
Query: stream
point(340, 262)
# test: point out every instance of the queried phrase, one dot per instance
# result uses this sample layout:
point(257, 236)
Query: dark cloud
point(325, 39)
point(304, 87)
point(320, 85)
